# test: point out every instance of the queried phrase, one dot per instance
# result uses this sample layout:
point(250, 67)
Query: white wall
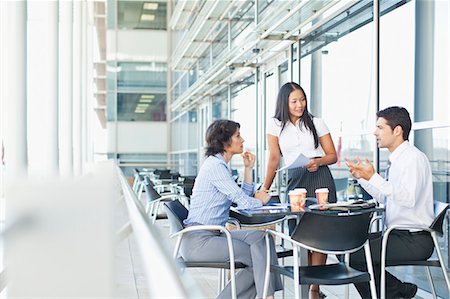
point(138, 137)
point(138, 45)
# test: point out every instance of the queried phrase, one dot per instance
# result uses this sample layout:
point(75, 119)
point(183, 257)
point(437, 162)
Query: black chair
point(177, 213)
point(329, 233)
point(255, 221)
point(155, 199)
point(435, 230)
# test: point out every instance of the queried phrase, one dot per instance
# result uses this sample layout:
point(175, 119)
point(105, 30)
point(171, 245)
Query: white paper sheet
point(301, 161)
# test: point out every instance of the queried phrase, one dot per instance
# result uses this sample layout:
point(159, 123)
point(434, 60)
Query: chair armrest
point(234, 221)
point(167, 196)
point(375, 220)
point(384, 247)
point(210, 228)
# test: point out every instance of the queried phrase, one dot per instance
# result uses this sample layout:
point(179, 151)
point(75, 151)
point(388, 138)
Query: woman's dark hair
point(282, 110)
point(397, 116)
point(218, 136)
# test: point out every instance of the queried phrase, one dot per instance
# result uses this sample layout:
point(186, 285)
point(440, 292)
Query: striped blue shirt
point(214, 191)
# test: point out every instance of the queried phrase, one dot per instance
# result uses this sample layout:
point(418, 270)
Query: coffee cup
point(322, 195)
point(297, 198)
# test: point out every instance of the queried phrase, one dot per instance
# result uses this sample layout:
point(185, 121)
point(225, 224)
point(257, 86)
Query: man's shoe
point(409, 290)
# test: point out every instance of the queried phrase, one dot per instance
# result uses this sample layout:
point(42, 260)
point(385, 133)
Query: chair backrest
point(176, 213)
point(333, 232)
point(440, 209)
point(188, 180)
point(150, 191)
point(174, 175)
point(159, 171)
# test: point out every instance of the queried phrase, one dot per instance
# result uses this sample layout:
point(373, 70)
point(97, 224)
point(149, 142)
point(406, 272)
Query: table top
point(283, 209)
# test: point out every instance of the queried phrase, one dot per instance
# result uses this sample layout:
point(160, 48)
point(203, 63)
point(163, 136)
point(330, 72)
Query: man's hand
point(263, 196)
point(249, 159)
point(360, 170)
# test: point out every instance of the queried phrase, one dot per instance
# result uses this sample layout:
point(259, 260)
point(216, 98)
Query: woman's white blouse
point(294, 140)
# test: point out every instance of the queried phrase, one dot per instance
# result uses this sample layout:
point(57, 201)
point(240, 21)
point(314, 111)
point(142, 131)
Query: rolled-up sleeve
point(247, 188)
point(224, 183)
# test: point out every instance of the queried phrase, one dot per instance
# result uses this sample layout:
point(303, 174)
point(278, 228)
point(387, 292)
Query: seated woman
point(213, 193)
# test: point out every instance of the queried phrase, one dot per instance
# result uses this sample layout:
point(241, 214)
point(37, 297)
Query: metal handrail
point(156, 259)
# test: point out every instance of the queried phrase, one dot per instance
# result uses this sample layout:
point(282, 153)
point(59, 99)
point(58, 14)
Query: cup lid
point(297, 191)
point(322, 190)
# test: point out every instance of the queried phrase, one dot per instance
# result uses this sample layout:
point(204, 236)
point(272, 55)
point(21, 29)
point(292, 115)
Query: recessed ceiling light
point(145, 100)
point(142, 106)
point(147, 17)
point(147, 96)
point(151, 5)
point(139, 111)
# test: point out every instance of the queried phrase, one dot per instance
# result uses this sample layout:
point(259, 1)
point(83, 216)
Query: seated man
point(407, 193)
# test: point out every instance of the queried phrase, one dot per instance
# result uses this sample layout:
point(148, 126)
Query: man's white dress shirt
point(408, 192)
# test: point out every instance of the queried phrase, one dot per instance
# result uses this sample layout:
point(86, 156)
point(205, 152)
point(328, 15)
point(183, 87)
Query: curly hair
point(218, 136)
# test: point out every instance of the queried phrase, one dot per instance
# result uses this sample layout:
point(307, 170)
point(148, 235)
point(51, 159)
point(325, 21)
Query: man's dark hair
point(397, 116)
point(218, 136)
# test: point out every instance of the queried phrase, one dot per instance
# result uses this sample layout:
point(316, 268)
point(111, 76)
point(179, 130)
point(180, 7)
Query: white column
point(89, 83)
point(83, 84)
point(15, 112)
point(76, 87)
point(42, 85)
point(66, 88)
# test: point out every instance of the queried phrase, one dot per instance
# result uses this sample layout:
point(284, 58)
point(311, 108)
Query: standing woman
point(213, 193)
point(293, 130)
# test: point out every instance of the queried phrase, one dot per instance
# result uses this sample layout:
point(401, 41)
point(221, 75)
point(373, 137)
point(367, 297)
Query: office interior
point(93, 89)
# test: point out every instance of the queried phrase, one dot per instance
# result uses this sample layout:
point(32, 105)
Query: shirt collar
point(222, 160)
point(398, 151)
point(220, 157)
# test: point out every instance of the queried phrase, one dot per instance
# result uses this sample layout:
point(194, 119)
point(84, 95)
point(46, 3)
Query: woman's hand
point(263, 196)
point(249, 159)
point(312, 166)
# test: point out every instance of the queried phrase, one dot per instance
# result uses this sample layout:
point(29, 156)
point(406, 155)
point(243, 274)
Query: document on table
point(301, 161)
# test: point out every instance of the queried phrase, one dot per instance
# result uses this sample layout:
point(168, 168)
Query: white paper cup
point(297, 198)
point(322, 195)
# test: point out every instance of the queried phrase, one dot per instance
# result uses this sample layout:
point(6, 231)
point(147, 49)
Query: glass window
point(138, 76)
point(243, 112)
point(397, 58)
point(141, 15)
point(141, 107)
point(441, 61)
point(439, 155)
point(271, 94)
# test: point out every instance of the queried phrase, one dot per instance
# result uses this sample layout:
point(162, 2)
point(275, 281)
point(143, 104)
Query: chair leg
point(297, 285)
point(441, 260)
point(347, 286)
point(221, 278)
point(155, 212)
point(373, 290)
point(430, 280)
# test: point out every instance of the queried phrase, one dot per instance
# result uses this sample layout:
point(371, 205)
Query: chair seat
point(333, 274)
point(199, 264)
